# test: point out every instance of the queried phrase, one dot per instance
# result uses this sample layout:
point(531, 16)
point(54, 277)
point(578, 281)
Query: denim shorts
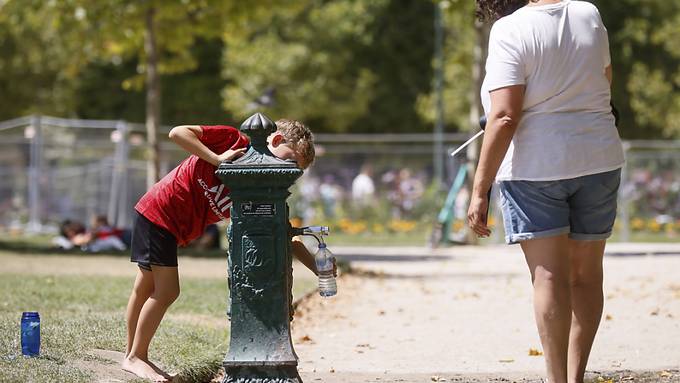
point(583, 207)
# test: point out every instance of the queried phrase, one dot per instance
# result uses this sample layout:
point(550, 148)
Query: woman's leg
point(142, 290)
point(166, 290)
point(548, 261)
point(586, 300)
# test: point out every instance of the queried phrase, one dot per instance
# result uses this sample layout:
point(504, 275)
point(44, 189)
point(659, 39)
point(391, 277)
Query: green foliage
point(459, 43)
point(69, 51)
point(645, 47)
point(340, 66)
point(190, 97)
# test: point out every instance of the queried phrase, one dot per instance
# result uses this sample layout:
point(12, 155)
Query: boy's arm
point(189, 138)
point(303, 255)
point(306, 258)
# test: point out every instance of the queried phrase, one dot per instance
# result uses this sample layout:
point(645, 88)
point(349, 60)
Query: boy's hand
point(231, 154)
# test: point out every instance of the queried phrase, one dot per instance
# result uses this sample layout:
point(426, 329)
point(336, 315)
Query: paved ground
point(464, 314)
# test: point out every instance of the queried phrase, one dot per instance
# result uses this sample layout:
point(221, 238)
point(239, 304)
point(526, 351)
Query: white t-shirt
point(559, 51)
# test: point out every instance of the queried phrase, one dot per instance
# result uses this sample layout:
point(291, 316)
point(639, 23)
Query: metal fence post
point(34, 174)
point(624, 197)
point(438, 152)
point(117, 212)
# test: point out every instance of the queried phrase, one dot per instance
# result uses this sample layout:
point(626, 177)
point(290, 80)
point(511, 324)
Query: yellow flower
point(401, 226)
point(654, 226)
point(637, 224)
point(358, 227)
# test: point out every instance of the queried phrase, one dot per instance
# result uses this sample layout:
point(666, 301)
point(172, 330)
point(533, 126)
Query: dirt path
point(465, 313)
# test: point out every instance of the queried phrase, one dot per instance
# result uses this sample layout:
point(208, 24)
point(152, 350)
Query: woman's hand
point(231, 154)
point(477, 215)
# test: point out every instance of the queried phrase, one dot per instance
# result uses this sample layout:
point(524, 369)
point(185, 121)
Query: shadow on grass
point(40, 245)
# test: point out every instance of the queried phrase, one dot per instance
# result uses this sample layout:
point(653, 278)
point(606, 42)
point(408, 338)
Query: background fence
point(53, 169)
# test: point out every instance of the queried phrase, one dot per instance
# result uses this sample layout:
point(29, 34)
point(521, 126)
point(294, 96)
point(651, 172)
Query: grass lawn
point(81, 313)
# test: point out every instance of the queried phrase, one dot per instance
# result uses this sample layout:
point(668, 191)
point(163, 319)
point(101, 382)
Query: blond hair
point(299, 137)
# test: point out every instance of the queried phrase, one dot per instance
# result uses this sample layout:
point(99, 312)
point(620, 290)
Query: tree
point(645, 47)
point(339, 65)
point(157, 34)
point(460, 43)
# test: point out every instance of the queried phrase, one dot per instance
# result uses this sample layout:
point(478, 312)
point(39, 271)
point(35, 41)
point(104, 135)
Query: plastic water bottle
point(30, 333)
point(324, 267)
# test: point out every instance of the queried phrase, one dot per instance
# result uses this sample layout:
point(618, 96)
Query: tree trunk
point(153, 99)
point(476, 109)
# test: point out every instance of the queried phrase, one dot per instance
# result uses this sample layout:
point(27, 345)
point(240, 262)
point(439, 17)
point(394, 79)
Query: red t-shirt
point(191, 197)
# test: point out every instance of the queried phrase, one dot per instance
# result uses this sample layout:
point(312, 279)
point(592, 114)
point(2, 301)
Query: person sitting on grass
point(100, 237)
point(177, 210)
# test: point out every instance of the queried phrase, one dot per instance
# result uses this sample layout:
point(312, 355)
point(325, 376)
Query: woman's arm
point(502, 122)
point(189, 138)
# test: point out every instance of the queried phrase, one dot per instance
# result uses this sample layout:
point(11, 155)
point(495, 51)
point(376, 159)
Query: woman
point(552, 145)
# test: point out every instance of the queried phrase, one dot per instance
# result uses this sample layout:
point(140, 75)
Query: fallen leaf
point(535, 352)
point(305, 339)
point(608, 317)
point(506, 360)
point(665, 374)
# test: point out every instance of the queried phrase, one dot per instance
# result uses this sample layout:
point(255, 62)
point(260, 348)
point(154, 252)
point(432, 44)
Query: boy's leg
point(548, 261)
point(166, 290)
point(586, 300)
point(141, 291)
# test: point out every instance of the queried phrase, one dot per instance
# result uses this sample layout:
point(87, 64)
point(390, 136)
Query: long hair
point(492, 10)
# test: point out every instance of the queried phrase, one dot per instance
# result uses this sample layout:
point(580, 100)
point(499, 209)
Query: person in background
point(100, 237)
point(104, 237)
point(363, 188)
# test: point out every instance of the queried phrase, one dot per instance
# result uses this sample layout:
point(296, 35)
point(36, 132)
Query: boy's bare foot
point(144, 369)
point(158, 370)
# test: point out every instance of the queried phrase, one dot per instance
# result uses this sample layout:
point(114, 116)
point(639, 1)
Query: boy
point(176, 210)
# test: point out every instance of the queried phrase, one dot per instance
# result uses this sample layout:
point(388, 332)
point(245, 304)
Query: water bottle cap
point(322, 246)
point(30, 314)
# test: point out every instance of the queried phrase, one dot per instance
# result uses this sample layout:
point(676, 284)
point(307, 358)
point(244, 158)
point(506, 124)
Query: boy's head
point(292, 140)
point(100, 221)
point(70, 229)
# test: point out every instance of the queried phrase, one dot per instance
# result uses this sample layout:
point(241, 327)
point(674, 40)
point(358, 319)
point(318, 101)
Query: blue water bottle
point(30, 333)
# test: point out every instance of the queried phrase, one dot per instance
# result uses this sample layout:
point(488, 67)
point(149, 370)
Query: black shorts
point(151, 244)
